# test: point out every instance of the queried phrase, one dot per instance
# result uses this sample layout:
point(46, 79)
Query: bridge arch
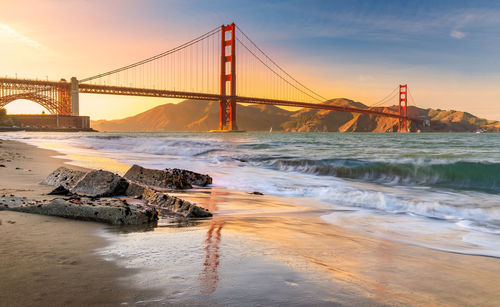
point(50, 104)
point(53, 96)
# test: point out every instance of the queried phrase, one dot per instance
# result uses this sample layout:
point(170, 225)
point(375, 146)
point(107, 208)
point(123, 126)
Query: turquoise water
point(435, 190)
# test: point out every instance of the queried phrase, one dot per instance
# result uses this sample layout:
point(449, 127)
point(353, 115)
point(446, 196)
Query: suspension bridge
point(222, 65)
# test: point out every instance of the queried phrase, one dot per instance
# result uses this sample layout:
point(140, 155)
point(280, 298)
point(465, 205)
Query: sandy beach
point(50, 261)
point(256, 250)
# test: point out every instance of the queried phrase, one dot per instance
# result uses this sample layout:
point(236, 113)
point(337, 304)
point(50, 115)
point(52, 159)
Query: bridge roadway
point(131, 91)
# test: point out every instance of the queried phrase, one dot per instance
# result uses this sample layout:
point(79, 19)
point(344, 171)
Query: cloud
point(7, 31)
point(457, 34)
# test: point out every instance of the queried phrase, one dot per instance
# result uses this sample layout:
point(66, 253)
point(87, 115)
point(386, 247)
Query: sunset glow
point(357, 58)
point(249, 153)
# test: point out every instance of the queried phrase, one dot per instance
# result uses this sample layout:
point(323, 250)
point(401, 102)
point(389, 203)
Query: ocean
point(436, 190)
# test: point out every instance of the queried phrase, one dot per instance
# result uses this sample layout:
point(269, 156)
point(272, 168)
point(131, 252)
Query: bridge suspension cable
point(190, 67)
point(285, 84)
point(155, 57)
point(387, 99)
point(411, 98)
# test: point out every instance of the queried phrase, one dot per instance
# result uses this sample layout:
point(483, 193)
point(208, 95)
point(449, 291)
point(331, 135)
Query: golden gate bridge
point(222, 65)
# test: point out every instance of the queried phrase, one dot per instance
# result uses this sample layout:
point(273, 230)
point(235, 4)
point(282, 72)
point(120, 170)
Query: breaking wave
point(482, 176)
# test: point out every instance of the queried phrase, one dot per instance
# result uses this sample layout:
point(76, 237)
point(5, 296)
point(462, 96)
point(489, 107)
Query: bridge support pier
point(227, 115)
point(228, 103)
point(403, 109)
point(75, 102)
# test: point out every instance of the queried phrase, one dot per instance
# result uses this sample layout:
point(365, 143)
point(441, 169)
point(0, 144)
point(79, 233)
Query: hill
point(193, 115)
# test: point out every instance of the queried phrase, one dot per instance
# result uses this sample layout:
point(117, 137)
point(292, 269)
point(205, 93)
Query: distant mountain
point(192, 115)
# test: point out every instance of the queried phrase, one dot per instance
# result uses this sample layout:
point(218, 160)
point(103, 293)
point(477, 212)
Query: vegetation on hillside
point(6, 120)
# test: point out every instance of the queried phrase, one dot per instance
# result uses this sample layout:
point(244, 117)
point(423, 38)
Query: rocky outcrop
point(95, 183)
point(135, 189)
point(100, 183)
point(60, 190)
point(192, 177)
point(165, 203)
point(107, 210)
point(65, 177)
point(158, 179)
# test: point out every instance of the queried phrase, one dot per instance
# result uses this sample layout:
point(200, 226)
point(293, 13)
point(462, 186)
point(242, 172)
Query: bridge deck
point(133, 91)
point(115, 90)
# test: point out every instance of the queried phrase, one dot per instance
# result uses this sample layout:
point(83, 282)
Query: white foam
point(214, 154)
point(440, 235)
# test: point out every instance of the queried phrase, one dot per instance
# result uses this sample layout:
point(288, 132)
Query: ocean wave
point(474, 211)
point(151, 146)
point(205, 152)
point(482, 176)
point(104, 137)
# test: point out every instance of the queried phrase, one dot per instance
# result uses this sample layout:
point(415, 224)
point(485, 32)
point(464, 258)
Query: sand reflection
point(209, 275)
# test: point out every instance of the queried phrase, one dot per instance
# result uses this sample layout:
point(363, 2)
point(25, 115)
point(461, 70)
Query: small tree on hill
point(5, 120)
point(3, 117)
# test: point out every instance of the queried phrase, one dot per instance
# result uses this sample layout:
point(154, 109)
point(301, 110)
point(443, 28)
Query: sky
point(446, 51)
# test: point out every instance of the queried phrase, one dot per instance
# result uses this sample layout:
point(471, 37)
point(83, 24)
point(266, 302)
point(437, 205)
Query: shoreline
point(43, 254)
point(308, 255)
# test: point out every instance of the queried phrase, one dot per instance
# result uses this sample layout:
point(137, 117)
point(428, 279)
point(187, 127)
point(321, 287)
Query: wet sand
point(257, 250)
point(379, 270)
point(50, 261)
point(24, 168)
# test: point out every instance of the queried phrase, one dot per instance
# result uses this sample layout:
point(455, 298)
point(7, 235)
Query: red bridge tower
point(228, 103)
point(403, 110)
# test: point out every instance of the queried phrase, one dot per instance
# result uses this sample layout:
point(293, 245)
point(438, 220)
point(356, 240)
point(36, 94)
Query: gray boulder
point(94, 183)
point(145, 185)
point(158, 179)
point(191, 177)
point(100, 183)
point(135, 189)
point(65, 177)
point(60, 190)
point(165, 203)
point(106, 210)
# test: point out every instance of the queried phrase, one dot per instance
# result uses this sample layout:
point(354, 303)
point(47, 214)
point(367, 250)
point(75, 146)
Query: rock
point(166, 203)
point(192, 177)
point(107, 210)
point(64, 177)
point(162, 201)
point(2, 165)
point(60, 190)
point(143, 185)
point(135, 189)
point(100, 183)
point(156, 178)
